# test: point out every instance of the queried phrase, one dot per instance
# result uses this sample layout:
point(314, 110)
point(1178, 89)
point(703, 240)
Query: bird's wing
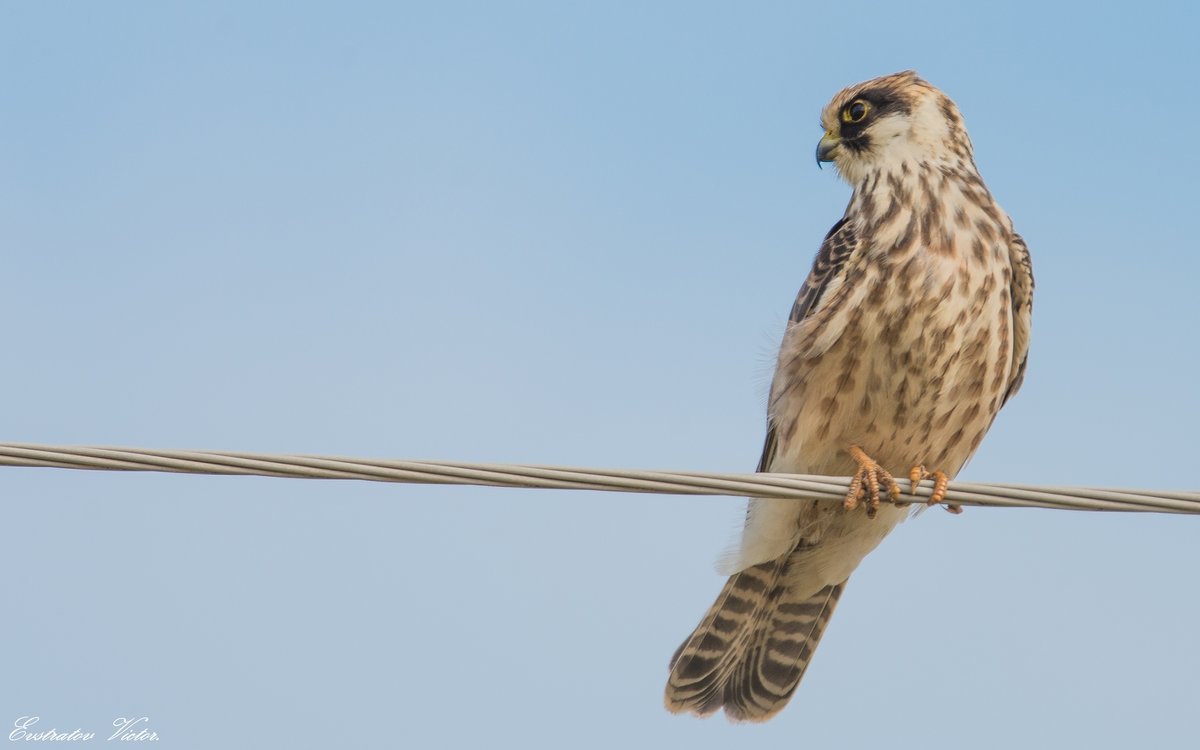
point(1022, 304)
point(837, 248)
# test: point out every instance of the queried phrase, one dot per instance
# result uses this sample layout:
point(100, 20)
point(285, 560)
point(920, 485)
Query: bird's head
point(884, 123)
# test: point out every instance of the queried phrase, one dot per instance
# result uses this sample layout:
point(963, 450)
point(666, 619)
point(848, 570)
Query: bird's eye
point(856, 111)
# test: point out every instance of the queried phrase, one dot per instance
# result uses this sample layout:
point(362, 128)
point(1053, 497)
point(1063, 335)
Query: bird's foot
point(865, 485)
point(940, 483)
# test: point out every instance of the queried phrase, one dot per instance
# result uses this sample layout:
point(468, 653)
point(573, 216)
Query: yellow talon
point(865, 485)
point(940, 484)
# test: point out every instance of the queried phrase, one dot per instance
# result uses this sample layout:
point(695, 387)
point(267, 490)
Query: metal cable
point(787, 486)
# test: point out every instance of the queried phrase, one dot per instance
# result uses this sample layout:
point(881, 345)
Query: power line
point(788, 486)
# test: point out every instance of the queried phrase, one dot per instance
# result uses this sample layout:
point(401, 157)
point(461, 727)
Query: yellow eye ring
point(856, 111)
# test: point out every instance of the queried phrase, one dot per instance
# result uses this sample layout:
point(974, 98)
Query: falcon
point(908, 336)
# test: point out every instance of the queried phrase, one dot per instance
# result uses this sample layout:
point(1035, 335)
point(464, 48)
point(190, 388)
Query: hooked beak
point(827, 147)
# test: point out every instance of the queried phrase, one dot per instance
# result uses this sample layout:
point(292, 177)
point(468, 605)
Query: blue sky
point(555, 233)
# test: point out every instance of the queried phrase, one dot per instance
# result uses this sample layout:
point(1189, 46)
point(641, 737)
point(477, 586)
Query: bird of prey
point(909, 335)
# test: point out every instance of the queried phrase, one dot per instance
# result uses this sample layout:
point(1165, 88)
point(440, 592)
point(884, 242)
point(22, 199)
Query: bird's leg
point(865, 483)
point(940, 483)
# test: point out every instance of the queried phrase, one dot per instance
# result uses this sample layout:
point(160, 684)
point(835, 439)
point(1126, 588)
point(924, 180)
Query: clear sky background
point(555, 233)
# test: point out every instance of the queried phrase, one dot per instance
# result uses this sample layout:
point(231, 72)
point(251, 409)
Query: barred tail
point(749, 652)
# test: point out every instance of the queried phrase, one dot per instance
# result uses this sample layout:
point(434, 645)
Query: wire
point(786, 486)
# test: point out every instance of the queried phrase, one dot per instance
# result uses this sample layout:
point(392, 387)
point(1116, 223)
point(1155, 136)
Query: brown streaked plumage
point(906, 339)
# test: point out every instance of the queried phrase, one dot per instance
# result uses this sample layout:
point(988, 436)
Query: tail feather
point(784, 648)
point(703, 663)
point(750, 650)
